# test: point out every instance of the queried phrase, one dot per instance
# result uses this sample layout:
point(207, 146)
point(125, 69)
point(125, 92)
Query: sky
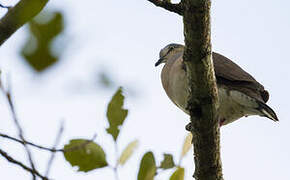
point(124, 38)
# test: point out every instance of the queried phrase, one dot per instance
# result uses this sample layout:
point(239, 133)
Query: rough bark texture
point(19, 15)
point(203, 100)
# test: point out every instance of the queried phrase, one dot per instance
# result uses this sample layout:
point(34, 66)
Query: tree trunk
point(203, 99)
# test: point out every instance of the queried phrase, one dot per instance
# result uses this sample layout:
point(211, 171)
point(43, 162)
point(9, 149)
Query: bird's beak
point(159, 61)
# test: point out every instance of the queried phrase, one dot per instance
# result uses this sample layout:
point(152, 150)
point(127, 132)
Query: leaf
point(37, 50)
point(147, 168)
point(116, 114)
point(85, 154)
point(128, 151)
point(167, 162)
point(186, 145)
point(178, 174)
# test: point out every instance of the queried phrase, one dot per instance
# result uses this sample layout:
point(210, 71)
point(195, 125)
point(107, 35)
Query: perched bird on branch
point(239, 93)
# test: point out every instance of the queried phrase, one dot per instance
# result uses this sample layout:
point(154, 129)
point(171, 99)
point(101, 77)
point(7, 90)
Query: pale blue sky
point(125, 37)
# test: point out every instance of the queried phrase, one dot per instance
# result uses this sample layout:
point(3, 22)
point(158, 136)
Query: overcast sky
point(124, 37)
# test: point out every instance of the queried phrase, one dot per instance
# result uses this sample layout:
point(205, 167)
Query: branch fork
point(166, 4)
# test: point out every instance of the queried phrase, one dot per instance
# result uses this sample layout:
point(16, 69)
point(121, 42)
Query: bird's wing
point(229, 73)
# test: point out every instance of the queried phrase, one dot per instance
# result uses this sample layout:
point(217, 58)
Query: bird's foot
point(221, 122)
point(188, 127)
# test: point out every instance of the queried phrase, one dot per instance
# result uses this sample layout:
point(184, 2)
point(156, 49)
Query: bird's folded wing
point(230, 74)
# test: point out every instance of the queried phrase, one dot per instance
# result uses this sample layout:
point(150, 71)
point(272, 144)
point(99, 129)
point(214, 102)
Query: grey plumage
point(239, 93)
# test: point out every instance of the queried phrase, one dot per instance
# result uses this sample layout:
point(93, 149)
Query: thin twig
point(177, 8)
point(115, 172)
point(117, 163)
point(56, 142)
point(19, 128)
point(12, 160)
point(30, 143)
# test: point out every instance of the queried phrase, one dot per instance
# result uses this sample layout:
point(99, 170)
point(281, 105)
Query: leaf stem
point(115, 168)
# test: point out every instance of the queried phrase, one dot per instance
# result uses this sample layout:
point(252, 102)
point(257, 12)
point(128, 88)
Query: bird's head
point(168, 51)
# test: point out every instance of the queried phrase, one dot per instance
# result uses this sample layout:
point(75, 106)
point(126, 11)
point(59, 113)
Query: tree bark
point(203, 96)
point(203, 99)
point(17, 16)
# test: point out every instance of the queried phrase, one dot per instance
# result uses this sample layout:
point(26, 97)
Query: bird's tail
point(267, 111)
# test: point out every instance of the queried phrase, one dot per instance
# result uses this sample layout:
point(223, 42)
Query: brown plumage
point(229, 73)
point(239, 93)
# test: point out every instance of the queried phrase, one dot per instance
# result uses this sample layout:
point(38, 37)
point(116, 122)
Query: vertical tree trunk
point(203, 100)
point(203, 96)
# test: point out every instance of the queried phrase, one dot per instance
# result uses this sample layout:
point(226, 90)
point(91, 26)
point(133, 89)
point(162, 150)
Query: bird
point(240, 95)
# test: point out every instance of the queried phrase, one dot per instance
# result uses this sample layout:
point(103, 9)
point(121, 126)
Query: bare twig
point(177, 8)
point(31, 144)
point(12, 160)
point(56, 142)
point(115, 168)
point(19, 128)
point(18, 15)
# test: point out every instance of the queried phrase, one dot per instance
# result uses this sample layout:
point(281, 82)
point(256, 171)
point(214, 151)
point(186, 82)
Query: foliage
point(37, 50)
point(167, 162)
point(85, 154)
point(178, 174)
point(186, 145)
point(88, 155)
point(116, 114)
point(148, 167)
point(127, 153)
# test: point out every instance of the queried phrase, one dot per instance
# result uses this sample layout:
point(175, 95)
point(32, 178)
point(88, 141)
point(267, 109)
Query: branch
point(18, 126)
point(203, 97)
point(32, 171)
point(30, 143)
point(17, 16)
point(57, 140)
point(177, 8)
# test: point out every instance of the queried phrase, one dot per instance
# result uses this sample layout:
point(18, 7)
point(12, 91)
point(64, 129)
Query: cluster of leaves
point(88, 155)
point(148, 168)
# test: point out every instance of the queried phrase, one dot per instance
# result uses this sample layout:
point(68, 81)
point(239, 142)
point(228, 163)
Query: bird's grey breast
point(174, 81)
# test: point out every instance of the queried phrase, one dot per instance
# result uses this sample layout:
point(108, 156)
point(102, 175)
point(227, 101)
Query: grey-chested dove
point(239, 93)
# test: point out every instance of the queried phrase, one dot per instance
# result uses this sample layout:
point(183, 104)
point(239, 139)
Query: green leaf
point(37, 51)
point(186, 145)
point(128, 151)
point(178, 174)
point(85, 154)
point(167, 162)
point(116, 114)
point(147, 168)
